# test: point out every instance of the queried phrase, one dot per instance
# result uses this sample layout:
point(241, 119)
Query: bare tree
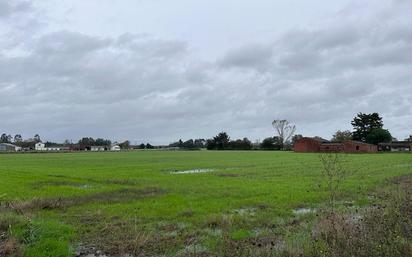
point(285, 131)
point(334, 174)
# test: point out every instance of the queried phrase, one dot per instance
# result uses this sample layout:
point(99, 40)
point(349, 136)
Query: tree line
point(222, 141)
point(19, 141)
point(367, 128)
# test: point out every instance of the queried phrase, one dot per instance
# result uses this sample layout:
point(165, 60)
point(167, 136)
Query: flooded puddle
point(245, 211)
point(303, 211)
point(404, 165)
point(194, 171)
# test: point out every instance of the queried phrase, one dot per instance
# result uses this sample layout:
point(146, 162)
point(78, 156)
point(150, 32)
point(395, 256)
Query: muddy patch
point(42, 184)
point(405, 182)
point(228, 175)
point(259, 246)
point(90, 251)
point(122, 195)
point(9, 246)
point(271, 242)
point(128, 182)
point(194, 171)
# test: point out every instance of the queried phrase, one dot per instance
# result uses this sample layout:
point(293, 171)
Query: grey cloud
point(343, 69)
point(250, 56)
point(8, 8)
point(322, 39)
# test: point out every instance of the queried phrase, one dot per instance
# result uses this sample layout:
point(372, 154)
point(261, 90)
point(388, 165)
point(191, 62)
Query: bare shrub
point(383, 229)
point(334, 175)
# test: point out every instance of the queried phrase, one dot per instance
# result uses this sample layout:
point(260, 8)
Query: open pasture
point(171, 203)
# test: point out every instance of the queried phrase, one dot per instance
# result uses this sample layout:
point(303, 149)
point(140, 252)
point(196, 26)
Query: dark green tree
point(378, 135)
point(364, 123)
point(87, 142)
point(102, 142)
point(341, 136)
point(4, 138)
point(210, 144)
point(37, 138)
point(240, 144)
point(271, 143)
point(189, 144)
point(219, 142)
point(200, 143)
point(222, 141)
point(18, 138)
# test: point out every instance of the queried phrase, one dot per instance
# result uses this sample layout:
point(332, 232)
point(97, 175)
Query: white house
point(40, 147)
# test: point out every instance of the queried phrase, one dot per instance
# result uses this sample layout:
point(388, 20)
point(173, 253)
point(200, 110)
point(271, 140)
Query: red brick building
point(317, 145)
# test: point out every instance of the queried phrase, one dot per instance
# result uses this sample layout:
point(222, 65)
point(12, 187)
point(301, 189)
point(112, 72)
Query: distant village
point(41, 147)
point(35, 144)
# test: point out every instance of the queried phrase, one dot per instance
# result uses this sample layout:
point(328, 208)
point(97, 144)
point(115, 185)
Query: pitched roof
point(7, 144)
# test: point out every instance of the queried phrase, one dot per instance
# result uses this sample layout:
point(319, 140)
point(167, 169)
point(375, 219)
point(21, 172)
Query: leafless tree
point(285, 130)
point(334, 174)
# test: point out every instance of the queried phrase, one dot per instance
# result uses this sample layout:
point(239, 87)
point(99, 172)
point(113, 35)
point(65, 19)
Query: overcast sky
point(160, 70)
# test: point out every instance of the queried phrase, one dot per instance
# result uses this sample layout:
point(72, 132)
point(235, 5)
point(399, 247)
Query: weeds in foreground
point(383, 229)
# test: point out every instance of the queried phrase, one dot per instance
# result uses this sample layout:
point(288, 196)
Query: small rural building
point(53, 148)
point(351, 146)
point(115, 148)
point(5, 147)
point(396, 146)
point(308, 144)
point(318, 145)
point(98, 148)
point(40, 147)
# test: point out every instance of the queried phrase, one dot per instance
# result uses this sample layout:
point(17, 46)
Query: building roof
point(397, 143)
point(319, 139)
point(357, 142)
point(7, 144)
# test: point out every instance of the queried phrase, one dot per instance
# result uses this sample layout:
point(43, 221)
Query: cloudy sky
point(159, 70)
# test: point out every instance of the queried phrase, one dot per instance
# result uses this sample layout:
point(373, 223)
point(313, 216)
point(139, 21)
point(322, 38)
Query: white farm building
point(5, 147)
point(41, 147)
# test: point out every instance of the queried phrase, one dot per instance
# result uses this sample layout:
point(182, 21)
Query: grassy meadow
point(144, 203)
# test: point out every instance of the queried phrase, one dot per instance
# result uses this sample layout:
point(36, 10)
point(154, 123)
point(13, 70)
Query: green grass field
point(128, 202)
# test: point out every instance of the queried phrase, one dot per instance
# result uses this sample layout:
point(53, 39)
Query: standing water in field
point(303, 211)
point(192, 171)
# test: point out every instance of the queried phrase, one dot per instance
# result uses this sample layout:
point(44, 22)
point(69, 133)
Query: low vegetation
point(249, 203)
